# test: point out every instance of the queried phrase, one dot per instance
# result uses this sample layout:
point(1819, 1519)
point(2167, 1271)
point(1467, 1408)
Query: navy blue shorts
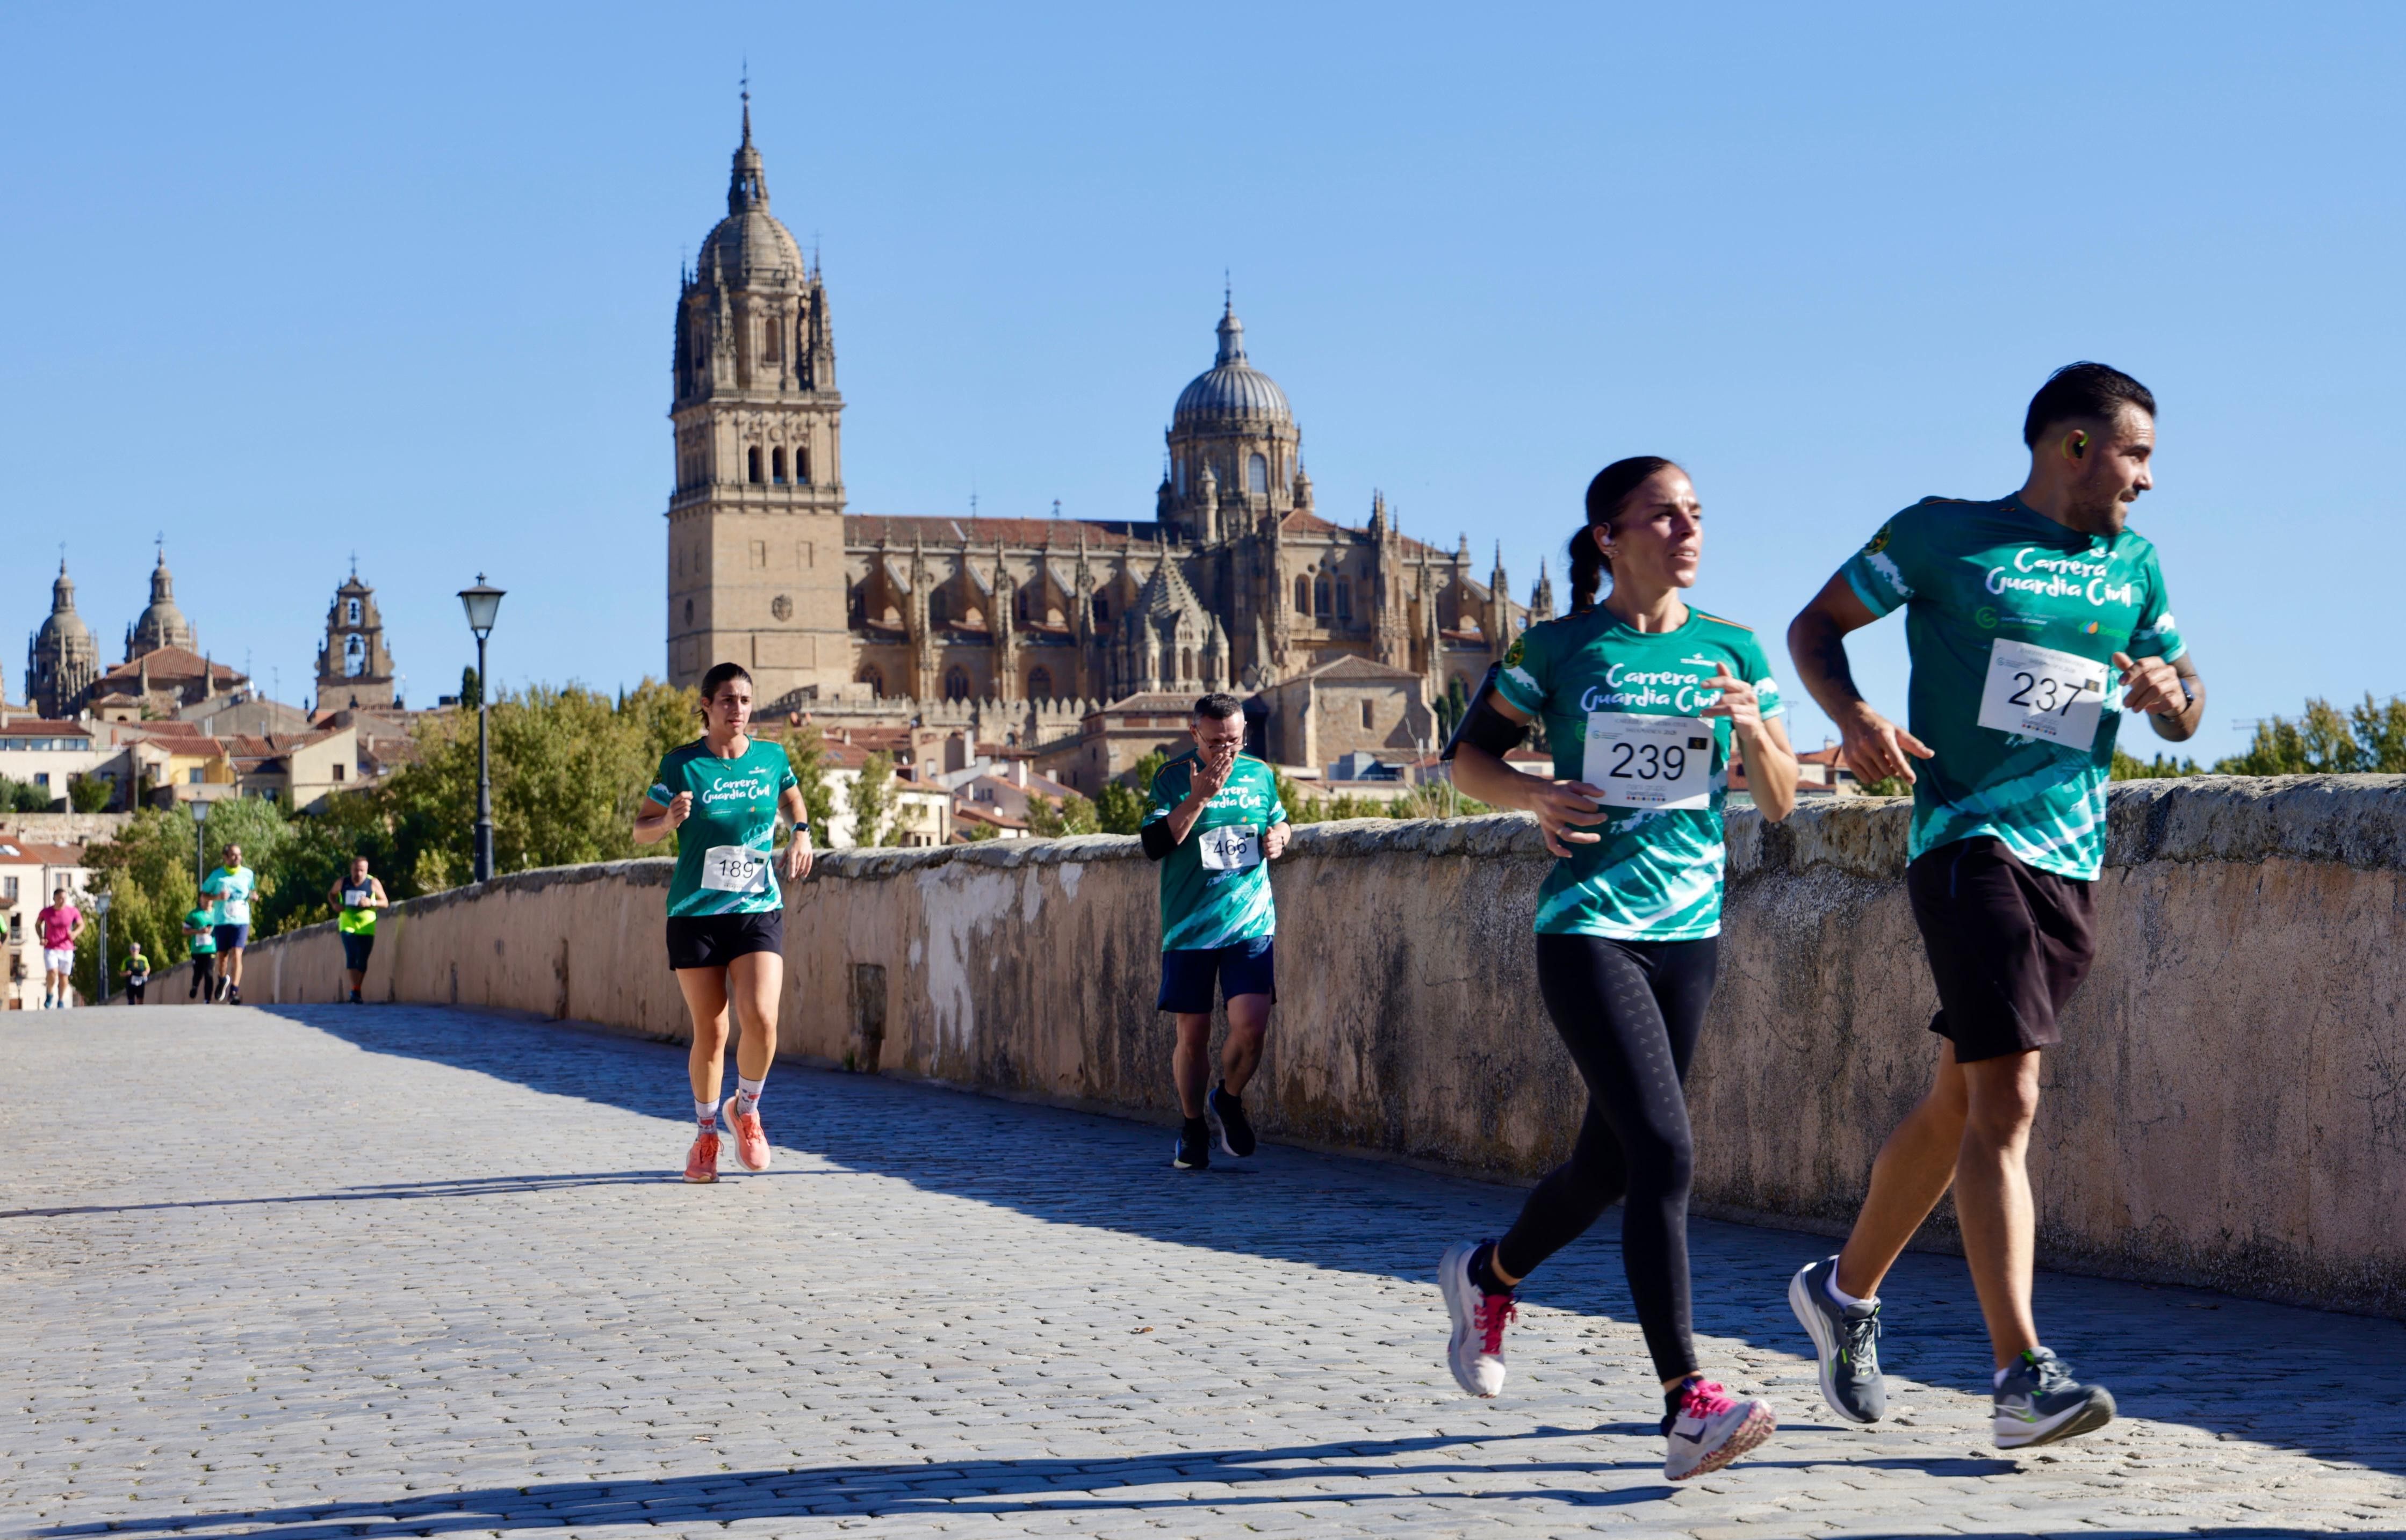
point(232, 937)
point(1245, 967)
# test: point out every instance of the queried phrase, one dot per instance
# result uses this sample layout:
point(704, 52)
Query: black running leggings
point(1629, 1011)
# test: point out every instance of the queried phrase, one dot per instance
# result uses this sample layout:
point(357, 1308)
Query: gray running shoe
point(1847, 1339)
point(2040, 1403)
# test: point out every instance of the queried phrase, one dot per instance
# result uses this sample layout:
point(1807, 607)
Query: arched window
point(777, 465)
point(350, 612)
point(1186, 664)
point(1367, 720)
point(1181, 476)
point(801, 467)
point(1102, 609)
point(939, 608)
point(776, 341)
point(1040, 684)
point(872, 677)
point(1019, 606)
point(1345, 599)
point(754, 454)
point(688, 611)
point(1257, 476)
point(1320, 595)
point(355, 657)
point(956, 684)
point(1303, 596)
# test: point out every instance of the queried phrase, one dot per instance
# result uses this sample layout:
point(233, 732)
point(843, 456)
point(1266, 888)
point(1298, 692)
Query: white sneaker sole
point(2089, 1415)
point(727, 1116)
point(1462, 1305)
point(1825, 1343)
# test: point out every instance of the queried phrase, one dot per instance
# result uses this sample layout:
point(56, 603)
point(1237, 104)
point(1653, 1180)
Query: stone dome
point(62, 627)
point(1231, 390)
point(162, 624)
point(751, 242)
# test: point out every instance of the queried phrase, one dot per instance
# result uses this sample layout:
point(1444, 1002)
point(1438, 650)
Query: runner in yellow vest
point(356, 899)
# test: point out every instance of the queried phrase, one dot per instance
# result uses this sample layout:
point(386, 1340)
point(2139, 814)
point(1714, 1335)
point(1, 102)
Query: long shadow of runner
point(1149, 1483)
point(2167, 1353)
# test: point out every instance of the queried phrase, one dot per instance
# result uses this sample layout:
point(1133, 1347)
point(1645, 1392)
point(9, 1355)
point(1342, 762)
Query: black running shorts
point(2007, 945)
point(714, 940)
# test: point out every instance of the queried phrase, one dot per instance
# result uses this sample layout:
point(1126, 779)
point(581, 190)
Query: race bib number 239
point(1641, 761)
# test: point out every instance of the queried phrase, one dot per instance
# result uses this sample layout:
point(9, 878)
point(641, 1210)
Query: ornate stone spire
point(747, 185)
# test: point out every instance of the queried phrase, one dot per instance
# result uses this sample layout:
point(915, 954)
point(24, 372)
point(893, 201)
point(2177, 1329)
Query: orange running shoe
point(701, 1160)
point(750, 1140)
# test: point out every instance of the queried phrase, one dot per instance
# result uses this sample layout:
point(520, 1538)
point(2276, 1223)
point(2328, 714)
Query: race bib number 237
point(2037, 692)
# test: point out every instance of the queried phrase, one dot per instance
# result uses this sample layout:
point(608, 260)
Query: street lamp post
point(100, 907)
point(483, 602)
point(200, 841)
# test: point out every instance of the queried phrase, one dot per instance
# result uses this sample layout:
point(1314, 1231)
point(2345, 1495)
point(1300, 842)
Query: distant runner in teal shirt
point(721, 795)
point(228, 889)
point(1646, 703)
point(1214, 822)
point(2035, 622)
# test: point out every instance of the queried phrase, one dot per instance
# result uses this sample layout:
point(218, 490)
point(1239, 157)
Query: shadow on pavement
point(1187, 1479)
point(2167, 1353)
point(462, 1187)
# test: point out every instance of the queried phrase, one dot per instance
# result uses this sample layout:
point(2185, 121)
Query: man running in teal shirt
point(1215, 823)
point(229, 887)
point(2034, 623)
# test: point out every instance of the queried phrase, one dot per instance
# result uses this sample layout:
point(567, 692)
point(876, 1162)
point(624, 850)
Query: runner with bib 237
point(2034, 622)
point(1643, 698)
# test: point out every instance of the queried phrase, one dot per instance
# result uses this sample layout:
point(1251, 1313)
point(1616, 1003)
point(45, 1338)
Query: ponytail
point(1605, 495)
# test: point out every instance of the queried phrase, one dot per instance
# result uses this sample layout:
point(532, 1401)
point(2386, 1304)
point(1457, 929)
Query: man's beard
point(2100, 515)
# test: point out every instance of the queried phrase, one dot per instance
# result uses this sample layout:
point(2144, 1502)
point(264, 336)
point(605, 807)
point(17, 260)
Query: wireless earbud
point(2079, 444)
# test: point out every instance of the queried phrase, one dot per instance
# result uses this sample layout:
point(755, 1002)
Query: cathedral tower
point(1233, 447)
point(63, 658)
point(353, 667)
point(163, 625)
point(755, 524)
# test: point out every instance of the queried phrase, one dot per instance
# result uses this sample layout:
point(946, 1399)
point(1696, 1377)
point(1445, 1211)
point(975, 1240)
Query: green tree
point(1450, 708)
point(471, 690)
point(981, 831)
point(1074, 815)
point(806, 750)
point(91, 792)
point(2130, 767)
point(23, 797)
point(2322, 741)
point(1119, 808)
point(873, 798)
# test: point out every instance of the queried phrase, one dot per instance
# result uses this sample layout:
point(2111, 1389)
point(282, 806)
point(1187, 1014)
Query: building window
point(804, 556)
point(1019, 606)
point(1319, 595)
point(1257, 476)
point(939, 608)
point(1040, 684)
point(1303, 596)
point(1345, 601)
point(761, 553)
point(1366, 715)
point(1181, 476)
point(351, 611)
point(872, 677)
point(776, 341)
point(355, 658)
point(957, 685)
point(802, 467)
point(338, 772)
point(754, 456)
point(777, 465)
point(1103, 610)
point(688, 611)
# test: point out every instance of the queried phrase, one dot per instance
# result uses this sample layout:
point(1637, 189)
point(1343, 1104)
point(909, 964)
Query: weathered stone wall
point(2229, 1107)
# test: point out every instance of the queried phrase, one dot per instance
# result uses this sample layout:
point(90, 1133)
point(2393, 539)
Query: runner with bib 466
point(1643, 698)
point(2033, 622)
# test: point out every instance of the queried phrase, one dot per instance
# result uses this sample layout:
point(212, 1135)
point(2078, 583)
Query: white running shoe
point(1711, 1428)
point(1476, 1354)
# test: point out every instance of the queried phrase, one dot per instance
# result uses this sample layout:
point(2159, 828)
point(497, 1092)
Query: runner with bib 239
point(2034, 623)
point(1643, 698)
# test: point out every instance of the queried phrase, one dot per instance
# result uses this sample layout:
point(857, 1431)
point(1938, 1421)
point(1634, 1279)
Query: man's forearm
point(2182, 726)
point(1182, 816)
point(1817, 646)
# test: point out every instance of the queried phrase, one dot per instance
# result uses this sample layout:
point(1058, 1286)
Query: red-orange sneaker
point(701, 1160)
point(750, 1140)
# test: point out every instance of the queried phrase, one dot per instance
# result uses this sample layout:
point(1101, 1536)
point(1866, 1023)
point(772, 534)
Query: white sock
point(747, 1095)
point(1846, 1300)
point(1999, 1381)
point(706, 1114)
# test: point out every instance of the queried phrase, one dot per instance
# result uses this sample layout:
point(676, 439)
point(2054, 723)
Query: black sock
point(1222, 1089)
point(1483, 1270)
point(1197, 1131)
point(1676, 1394)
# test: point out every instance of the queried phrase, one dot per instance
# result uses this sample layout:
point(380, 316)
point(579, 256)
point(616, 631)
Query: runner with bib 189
point(721, 794)
point(2033, 622)
point(1644, 699)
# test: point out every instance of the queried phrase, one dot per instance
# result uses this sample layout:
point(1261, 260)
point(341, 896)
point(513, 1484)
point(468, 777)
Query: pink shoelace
point(1705, 1398)
point(1495, 1312)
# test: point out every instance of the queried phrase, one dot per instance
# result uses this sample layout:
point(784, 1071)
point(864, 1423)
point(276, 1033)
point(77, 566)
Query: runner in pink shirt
point(58, 923)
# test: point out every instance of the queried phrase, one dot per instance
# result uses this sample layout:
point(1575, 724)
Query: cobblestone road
point(318, 1272)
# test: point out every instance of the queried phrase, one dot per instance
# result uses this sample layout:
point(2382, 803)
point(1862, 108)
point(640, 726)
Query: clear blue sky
point(287, 283)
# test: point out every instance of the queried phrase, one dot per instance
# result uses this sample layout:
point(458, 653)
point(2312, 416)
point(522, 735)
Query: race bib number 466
point(1641, 761)
point(2037, 692)
point(1232, 847)
point(735, 869)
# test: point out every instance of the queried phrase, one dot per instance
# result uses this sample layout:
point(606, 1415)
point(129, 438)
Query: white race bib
point(1641, 761)
point(735, 869)
point(2037, 692)
point(1231, 847)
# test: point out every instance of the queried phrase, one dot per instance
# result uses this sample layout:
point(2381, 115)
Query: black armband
point(1482, 726)
point(1157, 838)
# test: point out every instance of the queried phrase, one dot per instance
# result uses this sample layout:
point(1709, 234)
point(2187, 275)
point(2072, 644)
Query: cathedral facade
point(1236, 582)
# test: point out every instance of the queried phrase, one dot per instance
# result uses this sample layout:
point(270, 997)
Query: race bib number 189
point(735, 869)
point(1642, 761)
point(2037, 692)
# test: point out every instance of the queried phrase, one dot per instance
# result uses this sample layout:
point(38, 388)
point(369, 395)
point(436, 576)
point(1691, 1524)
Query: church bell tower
point(755, 524)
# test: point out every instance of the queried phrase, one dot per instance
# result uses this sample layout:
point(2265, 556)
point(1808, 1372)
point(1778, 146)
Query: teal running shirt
point(1216, 884)
point(2011, 620)
point(230, 891)
point(1621, 708)
point(725, 847)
